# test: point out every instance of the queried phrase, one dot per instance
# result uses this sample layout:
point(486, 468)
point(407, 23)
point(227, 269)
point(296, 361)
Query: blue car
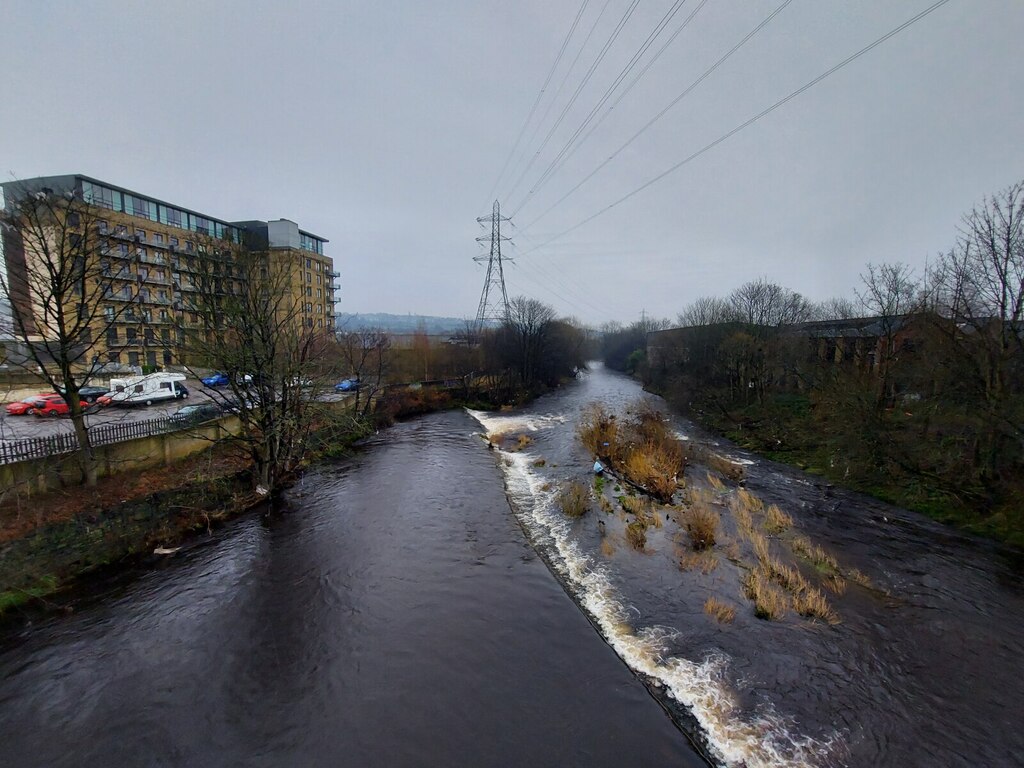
point(216, 380)
point(347, 385)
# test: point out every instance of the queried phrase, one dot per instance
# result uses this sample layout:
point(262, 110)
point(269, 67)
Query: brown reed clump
point(812, 604)
point(573, 499)
point(522, 441)
point(702, 525)
point(776, 521)
point(655, 467)
point(836, 584)
point(705, 562)
point(599, 432)
point(700, 454)
point(636, 534)
point(717, 485)
point(858, 577)
point(722, 612)
point(760, 545)
point(769, 601)
point(635, 505)
point(749, 501)
point(607, 547)
point(788, 578)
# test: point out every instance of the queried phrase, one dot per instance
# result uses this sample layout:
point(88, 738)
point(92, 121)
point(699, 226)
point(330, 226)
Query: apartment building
point(151, 253)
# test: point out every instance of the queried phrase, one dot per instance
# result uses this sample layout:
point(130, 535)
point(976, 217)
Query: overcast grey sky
point(383, 126)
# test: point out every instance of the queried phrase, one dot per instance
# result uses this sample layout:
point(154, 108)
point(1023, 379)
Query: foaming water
point(765, 741)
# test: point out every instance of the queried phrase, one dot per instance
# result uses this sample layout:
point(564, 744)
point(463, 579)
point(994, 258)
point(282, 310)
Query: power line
point(750, 121)
point(536, 101)
point(579, 88)
point(565, 77)
point(721, 60)
point(572, 144)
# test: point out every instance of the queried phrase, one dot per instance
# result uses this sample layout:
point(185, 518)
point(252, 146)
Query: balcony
point(333, 274)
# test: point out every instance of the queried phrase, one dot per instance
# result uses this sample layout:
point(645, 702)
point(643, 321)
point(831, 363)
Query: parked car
point(90, 394)
point(196, 414)
point(54, 406)
point(347, 385)
point(148, 389)
point(216, 380)
point(22, 407)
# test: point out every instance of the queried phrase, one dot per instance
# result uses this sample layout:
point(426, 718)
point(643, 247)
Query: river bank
point(49, 543)
point(787, 429)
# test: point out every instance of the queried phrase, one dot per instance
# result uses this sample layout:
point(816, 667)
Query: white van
point(148, 389)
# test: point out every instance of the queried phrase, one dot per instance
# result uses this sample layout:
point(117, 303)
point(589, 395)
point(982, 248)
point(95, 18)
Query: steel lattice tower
point(491, 306)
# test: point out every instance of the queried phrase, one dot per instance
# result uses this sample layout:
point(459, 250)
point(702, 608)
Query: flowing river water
point(427, 603)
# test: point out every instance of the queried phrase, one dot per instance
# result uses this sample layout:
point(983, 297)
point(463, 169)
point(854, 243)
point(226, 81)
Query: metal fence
point(67, 442)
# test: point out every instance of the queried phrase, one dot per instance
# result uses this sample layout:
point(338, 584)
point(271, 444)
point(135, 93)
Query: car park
point(23, 407)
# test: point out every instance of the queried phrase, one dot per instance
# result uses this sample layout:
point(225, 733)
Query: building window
point(203, 225)
point(173, 241)
point(161, 294)
point(140, 206)
point(158, 239)
point(121, 229)
point(309, 278)
point(189, 246)
point(174, 217)
point(319, 293)
point(309, 291)
point(101, 227)
point(167, 357)
point(140, 234)
point(165, 334)
point(130, 335)
point(111, 337)
point(133, 358)
point(309, 322)
point(319, 280)
point(163, 314)
point(319, 322)
point(113, 357)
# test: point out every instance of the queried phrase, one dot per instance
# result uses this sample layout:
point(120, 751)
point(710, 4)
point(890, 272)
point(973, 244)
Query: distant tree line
point(913, 389)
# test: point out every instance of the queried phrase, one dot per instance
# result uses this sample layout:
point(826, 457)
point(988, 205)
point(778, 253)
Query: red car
point(22, 407)
point(54, 406)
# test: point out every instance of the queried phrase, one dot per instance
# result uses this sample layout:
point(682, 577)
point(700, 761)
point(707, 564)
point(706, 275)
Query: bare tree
point(765, 304)
point(366, 355)
point(707, 310)
point(890, 292)
point(245, 319)
point(836, 308)
point(67, 286)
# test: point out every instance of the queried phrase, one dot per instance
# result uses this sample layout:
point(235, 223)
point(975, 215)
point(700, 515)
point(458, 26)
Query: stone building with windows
point(150, 255)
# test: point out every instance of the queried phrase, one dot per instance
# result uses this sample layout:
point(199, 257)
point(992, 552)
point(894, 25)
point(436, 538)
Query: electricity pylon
point(493, 299)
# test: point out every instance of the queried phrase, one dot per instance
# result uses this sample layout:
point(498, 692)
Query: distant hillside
point(435, 326)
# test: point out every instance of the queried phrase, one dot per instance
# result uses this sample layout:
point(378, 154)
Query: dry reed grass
point(606, 506)
point(636, 534)
point(858, 577)
point(821, 559)
point(522, 441)
point(655, 467)
point(836, 584)
point(599, 431)
point(705, 562)
point(776, 521)
point(607, 548)
point(702, 525)
point(635, 505)
point(770, 602)
point(812, 604)
point(540, 462)
point(760, 545)
point(788, 578)
point(749, 501)
point(723, 613)
point(573, 499)
point(717, 485)
point(741, 513)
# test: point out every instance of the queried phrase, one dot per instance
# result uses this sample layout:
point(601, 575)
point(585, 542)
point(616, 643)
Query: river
point(426, 603)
